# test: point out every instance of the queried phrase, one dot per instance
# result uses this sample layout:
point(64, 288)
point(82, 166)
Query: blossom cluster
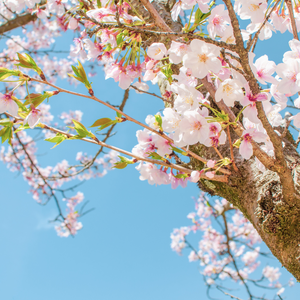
point(47, 182)
point(70, 225)
point(229, 250)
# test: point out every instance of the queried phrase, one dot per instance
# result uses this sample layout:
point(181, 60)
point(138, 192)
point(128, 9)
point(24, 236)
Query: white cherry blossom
point(230, 90)
point(157, 51)
point(194, 127)
point(202, 59)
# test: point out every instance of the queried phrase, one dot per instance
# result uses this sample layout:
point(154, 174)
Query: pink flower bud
point(73, 24)
point(195, 176)
point(211, 163)
point(210, 174)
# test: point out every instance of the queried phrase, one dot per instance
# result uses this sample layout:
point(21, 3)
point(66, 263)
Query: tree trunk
point(258, 195)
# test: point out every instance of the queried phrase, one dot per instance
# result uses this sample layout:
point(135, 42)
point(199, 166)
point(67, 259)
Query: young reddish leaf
point(101, 122)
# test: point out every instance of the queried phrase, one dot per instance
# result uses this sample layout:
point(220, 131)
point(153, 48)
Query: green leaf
point(81, 76)
point(120, 165)
point(59, 138)
point(6, 134)
point(126, 160)
point(81, 130)
point(123, 163)
point(179, 151)
point(22, 127)
point(101, 122)
point(76, 137)
point(208, 204)
point(75, 71)
point(35, 99)
point(77, 78)
point(107, 124)
point(119, 38)
point(156, 156)
point(28, 62)
point(4, 73)
point(158, 120)
point(182, 176)
point(81, 71)
point(167, 71)
point(20, 104)
point(119, 115)
point(6, 122)
point(198, 15)
point(237, 143)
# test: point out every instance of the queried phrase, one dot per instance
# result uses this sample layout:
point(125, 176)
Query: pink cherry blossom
point(263, 69)
point(195, 176)
point(73, 24)
point(218, 21)
point(7, 104)
point(296, 120)
point(177, 51)
point(249, 135)
point(253, 9)
point(230, 90)
point(211, 163)
point(194, 127)
point(288, 71)
point(202, 59)
point(33, 118)
point(157, 51)
point(271, 273)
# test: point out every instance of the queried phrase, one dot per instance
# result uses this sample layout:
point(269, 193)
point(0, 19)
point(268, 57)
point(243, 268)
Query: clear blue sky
point(123, 250)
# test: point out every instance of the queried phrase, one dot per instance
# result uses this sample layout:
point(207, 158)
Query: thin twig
point(231, 150)
point(129, 119)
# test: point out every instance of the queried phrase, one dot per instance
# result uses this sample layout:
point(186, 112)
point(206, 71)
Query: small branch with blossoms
point(180, 36)
point(127, 117)
point(164, 162)
point(88, 163)
point(222, 256)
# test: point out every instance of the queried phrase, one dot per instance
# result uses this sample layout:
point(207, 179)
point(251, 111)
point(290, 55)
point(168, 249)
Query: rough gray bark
point(258, 195)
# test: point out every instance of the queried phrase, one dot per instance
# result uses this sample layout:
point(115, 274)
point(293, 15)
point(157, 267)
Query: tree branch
point(220, 178)
point(225, 171)
point(19, 21)
point(292, 18)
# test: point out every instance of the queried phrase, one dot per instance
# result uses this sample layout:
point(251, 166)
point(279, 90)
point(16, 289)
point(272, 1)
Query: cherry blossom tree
point(229, 122)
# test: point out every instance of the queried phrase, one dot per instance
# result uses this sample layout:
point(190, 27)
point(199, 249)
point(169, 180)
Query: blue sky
point(123, 250)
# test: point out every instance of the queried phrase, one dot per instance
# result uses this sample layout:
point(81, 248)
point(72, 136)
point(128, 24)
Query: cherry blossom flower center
point(254, 7)
point(228, 89)
point(197, 125)
point(215, 141)
point(292, 77)
point(217, 20)
point(260, 73)
point(157, 51)
point(189, 100)
point(247, 138)
point(203, 58)
point(176, 124)
point(230, 40)
point(7, 98)
point(213, 129)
